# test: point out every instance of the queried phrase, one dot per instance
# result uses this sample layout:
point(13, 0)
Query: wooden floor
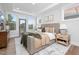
point(10, 50)
point(73, 50)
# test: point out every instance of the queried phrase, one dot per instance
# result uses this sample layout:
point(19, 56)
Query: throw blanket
point(24, 40)
point(36, 35)
point(25, 35)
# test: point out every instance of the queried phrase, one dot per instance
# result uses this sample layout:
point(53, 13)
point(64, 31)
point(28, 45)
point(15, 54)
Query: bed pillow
point(50, 35)
point(47, 29)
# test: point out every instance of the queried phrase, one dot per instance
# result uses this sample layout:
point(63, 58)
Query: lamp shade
point(63, 26)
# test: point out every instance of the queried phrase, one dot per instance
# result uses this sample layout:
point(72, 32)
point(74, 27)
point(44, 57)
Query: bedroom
point(46, 20)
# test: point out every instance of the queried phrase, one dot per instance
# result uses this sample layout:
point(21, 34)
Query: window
point(12, 22)
point(1, 21)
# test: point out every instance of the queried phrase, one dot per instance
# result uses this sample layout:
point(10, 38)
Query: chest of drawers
point(3, 39)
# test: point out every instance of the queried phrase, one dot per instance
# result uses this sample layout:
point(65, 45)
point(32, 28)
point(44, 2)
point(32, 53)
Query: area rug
point(54, 49)
point(10, 50)
point(73, 50)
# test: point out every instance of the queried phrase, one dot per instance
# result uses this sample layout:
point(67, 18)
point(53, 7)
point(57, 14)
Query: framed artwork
point(72, 12)
point(30, 26)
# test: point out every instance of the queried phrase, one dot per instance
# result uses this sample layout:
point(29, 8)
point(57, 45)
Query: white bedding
point(51, 35)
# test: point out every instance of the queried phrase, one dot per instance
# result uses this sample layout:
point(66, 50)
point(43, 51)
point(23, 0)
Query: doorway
point(22, 26)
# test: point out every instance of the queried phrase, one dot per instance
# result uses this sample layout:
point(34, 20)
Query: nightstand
point(63, 39)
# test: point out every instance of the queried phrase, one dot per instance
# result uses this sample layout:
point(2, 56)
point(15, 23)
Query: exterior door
point(22, 26)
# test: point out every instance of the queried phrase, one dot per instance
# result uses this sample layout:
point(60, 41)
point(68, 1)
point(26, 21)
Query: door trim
point(19, 25)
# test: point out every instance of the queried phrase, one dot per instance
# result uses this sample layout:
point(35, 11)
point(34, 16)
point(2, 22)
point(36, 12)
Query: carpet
point(54, 49)
point(73, 50)
point(10, 50)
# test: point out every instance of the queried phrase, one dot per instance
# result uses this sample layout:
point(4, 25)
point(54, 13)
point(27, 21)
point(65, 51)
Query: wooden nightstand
point(63, 39)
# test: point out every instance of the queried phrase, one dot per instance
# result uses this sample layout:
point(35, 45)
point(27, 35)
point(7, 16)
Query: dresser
point(3, 39)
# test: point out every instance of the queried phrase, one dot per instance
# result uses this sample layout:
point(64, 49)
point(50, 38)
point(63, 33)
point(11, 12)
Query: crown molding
point(43, 10)
point(23, 12)
point(47, 8)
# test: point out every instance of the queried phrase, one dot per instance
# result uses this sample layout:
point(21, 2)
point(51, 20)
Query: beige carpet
point(10, 50)
point(73, 50)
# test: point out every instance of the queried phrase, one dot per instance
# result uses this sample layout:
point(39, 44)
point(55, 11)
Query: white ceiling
point(29, 7)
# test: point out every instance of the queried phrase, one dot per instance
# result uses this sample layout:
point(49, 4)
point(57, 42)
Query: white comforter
point(50, 35)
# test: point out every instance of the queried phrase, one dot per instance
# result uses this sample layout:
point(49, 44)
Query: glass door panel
point(22, 25)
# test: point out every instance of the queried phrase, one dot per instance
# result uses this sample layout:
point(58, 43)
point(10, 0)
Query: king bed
point(36, 41)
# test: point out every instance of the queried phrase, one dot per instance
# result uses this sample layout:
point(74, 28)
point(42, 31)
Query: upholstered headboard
point(51, 27)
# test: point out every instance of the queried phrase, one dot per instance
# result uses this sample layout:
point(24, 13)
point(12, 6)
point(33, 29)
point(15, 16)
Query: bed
point(34, 44)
